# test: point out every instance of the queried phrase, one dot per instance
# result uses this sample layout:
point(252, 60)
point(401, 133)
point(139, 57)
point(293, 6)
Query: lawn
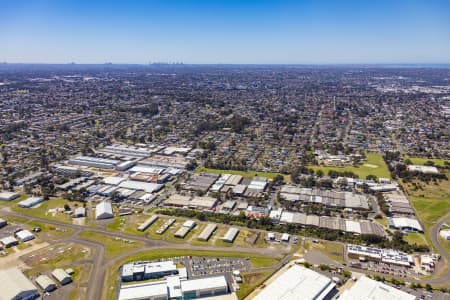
point(375, 165)
point(333, 250)
point(252, 280)
point(81, 281)
point(431, 202)
point(247, 174)
point(423, 160)
point(129, 224)
point(415, 238)
point(111, 276)
point(113, 246)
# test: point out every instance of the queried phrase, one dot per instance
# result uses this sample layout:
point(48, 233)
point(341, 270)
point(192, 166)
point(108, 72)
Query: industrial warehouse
point(174, 283)
point(296, 281)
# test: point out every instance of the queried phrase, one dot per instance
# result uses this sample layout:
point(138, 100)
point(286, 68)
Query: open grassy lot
point(333, 250)
point(113, 246)
point(431, 201)
point(80, 281)
point(112, 275)
point(42, 210)
point(129, 224)
point(248, 174)
point(251, 280)
point(415, 238)
point(375, 165)
point(423, 160)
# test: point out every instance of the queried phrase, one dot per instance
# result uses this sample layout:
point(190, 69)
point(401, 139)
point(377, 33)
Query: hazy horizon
point(225, 32)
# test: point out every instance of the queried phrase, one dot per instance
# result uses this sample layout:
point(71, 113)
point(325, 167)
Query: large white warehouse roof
point(14, 284)
point(366, 288)
point(297, 281)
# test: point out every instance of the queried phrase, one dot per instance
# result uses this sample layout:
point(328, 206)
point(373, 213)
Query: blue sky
point(191, 31)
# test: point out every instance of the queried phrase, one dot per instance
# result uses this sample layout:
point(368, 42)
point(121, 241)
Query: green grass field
point(251, 280)
point(113, 246)
point(128, 224)
point(247, 174)
point(423, 160)
point(111, 276)
point(375, 165)
point(431, 203)
point(415, 238)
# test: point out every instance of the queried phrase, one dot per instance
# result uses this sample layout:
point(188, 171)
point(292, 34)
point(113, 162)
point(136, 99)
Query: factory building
point(45, 283)
point(103, 210)
point(387, 256)
point(366, 288)
point(231, 235)
point(95, 162)
point(149, 291)
point(406, 224)
point(30, 202)
point(146, 270)
point(207, 232)
point(8, 196)
point(14, 285)
point(148, 222)
point(204, 287)
point(24, 235)
point(297, 281)
point(174, 287)
point(61, 276)
point(9, 241)
point(196, 203)
point(3, 223)
point(184, 230)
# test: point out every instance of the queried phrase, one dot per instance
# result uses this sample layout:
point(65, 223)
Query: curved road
point(100, 264)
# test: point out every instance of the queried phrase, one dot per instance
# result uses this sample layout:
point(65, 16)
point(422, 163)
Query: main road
point(101, 264)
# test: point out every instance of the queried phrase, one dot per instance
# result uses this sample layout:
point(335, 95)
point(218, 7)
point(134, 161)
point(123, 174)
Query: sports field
point(375, 165)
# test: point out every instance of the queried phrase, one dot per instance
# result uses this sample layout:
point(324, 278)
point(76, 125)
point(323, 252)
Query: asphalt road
point(100, 264)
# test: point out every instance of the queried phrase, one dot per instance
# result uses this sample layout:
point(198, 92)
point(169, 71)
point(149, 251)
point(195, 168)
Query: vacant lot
point(332, 250)
point(431, 201)
point(252, 280)
point(375, 165)
point(113, 246)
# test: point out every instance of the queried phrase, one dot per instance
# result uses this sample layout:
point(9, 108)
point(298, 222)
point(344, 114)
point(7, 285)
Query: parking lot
point(201, 266)
point(384, 268)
